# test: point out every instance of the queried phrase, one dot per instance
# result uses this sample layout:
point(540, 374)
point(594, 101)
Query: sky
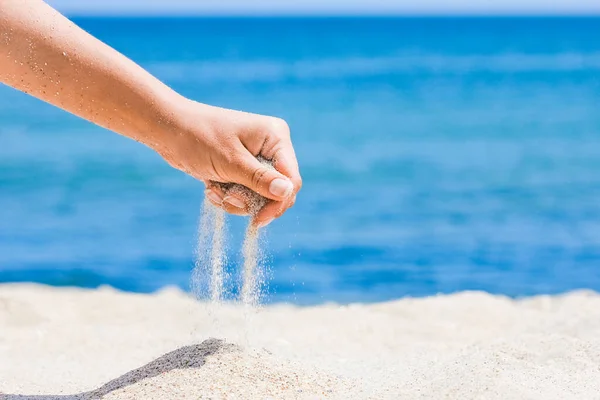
point(325, 7)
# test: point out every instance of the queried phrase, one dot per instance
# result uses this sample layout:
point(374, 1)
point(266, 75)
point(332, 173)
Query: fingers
point(271, 211)
point(286, 163)
point(234, 203)
point(214, 195)
point(230, 202)
point(278, 148)
point(287, 169)
point(261, 179)
point(229, 208)
point(279, 183)
point(234, 210)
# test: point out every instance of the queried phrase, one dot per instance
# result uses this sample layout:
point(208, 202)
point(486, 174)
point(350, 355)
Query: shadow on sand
point(193, 356)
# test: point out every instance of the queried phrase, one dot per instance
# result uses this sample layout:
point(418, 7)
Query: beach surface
point(67, 343)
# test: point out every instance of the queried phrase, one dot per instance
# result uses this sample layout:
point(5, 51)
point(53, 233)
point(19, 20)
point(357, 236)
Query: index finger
point(285, 162)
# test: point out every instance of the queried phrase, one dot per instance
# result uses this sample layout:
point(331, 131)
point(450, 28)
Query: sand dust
point(209, 271)
point(252, 272)
point(217, 263)
point(208, 276)
point(464, 346)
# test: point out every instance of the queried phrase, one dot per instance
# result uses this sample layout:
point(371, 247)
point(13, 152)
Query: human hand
point(217, 145)
point(97, 83)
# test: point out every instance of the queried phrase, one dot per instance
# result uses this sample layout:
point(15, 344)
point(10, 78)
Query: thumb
point(263, 179)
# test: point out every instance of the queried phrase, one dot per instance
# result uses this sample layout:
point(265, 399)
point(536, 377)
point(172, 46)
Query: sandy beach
point(74, 344)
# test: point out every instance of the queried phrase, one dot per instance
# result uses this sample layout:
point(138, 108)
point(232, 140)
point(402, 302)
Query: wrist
point(161, 120)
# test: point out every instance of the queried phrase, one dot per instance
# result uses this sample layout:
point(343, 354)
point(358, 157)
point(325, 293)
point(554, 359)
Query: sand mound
point(235, 374)
point(188, 357)
point(68, 343)
point(214, 369)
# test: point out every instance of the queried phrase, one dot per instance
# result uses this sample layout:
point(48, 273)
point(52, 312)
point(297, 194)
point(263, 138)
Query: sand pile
point(75, 343)
point(234, 373)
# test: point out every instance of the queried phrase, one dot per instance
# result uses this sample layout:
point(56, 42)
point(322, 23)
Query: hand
point(218, 145)
point(209, 143)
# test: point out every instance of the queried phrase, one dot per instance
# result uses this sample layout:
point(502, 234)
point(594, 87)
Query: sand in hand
point(73, 342)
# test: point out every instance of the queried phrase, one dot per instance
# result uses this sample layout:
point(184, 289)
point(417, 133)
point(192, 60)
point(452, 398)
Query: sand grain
point(71, 342)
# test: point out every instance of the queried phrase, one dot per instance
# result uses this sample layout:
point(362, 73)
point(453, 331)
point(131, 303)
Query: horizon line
point(315, 15)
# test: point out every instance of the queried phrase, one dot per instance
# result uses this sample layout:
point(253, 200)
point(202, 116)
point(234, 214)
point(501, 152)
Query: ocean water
point(438, 155)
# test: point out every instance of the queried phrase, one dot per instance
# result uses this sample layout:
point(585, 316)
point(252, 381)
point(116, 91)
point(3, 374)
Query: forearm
point(44, 54)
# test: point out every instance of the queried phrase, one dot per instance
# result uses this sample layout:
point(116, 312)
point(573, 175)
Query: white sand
point(465, 346)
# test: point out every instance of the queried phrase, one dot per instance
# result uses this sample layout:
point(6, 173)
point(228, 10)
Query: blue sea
point(438, 155)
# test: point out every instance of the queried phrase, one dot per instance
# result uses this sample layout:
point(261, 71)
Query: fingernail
point(281, 187)
point(265, 223)
point(234, 202)
point(213, 196)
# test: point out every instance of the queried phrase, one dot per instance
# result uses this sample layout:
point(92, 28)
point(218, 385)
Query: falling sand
point(208, 276)
point(250, 290)
point(209, 273)
point(218, 255)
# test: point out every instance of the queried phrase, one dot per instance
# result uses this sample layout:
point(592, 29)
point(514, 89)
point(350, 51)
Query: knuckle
point(231, 158)
point(229, 166)
point(233, 210)
point(279, 127)
point(297, 184)
point(280, 212)
point(257, 176)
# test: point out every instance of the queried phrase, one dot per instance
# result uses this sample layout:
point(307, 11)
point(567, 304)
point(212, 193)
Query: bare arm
point(44, 54)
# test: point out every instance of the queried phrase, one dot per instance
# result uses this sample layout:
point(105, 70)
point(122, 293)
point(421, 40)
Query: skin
point(44, 54)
